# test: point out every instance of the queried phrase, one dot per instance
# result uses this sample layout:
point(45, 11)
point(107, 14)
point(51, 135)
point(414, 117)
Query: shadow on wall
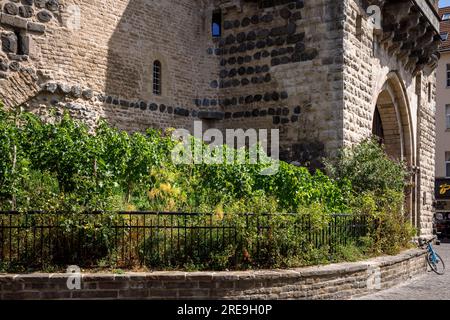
point(172, 33)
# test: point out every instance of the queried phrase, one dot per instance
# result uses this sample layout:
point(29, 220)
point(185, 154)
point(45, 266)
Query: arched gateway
point(392, 124)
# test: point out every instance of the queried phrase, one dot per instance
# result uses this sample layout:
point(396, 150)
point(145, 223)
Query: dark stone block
point(297, 110)
point(44, 16)
point(285, 112)
point(257, 97)
point(295, 38)
point(274, 53)
point(198, 102)
point(143, 105)
point(278, 31)
point(223, 74)
point(241, 36)
point(245, 22)
point(11, 8)
point(247, 59)
point(276, 120)
point(285, 121)
point(285, 13)
point(249, 99)
point(26, 11)
point(227, 25)
point(294, 119)
point(263, 33)
point(271, 111)
point(275, 96)
point(285, 60)
point(247, 114)
point(275, 62)
point(263, 113)
point(232, 73)
point(261, 44)
point(255, 112)
point(254, 19)
point(170, 110)
point(162, 108)
point(280, 41)
point(205, 102)
point(235, 82)
point(255, 80)
point(232, 60)
point(250, 70)
point(230, 39)
point(299, 4)
point(241, 71)
point(284, 95)
point(245, 82)
point(267, 18)
point(251, 36)
point(257, 56)
point(228, 115)
point(9, 42)
point(265, 53)
point(52, 5)
point(236, 23)
point(240, 60)
point(242, 48)
point(238, 114)
point(291, 28)
point(250, 45)
point(267, 97)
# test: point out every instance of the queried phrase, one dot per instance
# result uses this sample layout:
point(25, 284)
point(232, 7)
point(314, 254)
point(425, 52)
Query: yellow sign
point(444, 188)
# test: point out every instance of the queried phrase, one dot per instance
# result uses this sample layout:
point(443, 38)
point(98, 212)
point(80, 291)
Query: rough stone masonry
point(327, 73)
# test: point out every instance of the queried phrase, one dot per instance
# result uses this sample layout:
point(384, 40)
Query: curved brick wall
point(338, 281)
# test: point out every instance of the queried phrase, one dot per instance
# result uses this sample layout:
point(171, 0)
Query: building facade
point(443, 127)
point(327, 73)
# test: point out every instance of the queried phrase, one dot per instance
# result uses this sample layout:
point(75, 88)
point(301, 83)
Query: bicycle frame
point(432, 252)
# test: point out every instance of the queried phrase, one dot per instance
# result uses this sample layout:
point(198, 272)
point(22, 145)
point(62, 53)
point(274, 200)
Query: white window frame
point(444, 36)
point(446, 16)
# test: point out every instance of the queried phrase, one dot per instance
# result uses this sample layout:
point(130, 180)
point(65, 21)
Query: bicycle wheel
point(439, 266)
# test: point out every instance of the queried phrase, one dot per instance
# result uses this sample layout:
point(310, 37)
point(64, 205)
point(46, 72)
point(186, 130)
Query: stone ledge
point(335, 281)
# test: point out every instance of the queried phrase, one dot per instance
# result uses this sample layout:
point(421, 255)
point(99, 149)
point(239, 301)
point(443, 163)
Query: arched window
point(157, 76)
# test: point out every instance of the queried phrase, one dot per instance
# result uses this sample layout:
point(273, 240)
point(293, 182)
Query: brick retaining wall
point(337, 281)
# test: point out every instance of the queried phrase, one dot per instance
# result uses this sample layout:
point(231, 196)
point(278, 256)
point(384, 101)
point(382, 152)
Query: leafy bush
point(60, 166)
point(379, 184)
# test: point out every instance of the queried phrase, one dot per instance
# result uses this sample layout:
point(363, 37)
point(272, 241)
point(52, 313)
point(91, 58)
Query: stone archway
point(392, 120)
point(392, 124)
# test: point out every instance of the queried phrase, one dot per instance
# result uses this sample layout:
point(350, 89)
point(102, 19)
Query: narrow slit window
point(216, 24)
point(447, 116)
point(157, 78)
point(447, 164)
point(20, 43)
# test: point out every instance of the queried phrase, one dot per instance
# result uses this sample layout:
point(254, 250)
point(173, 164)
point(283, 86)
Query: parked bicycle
point(433, 258)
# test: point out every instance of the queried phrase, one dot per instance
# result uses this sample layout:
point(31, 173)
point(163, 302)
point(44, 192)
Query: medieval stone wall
point(372, 67)
point(281, 68)
point(104, 68)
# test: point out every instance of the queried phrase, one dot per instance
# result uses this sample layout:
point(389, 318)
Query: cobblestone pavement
point(428, 287)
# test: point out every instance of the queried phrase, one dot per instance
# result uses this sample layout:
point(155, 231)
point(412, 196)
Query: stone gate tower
point(327, 73)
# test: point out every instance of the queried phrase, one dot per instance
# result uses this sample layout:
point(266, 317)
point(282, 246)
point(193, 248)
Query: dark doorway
point(377, 127)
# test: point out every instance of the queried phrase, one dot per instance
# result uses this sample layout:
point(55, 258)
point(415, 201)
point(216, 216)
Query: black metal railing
point(36, 240)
